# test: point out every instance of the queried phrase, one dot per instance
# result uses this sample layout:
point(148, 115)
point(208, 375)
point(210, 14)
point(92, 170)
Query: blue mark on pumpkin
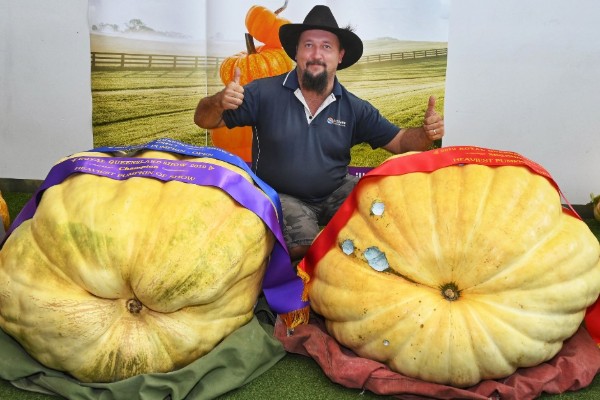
point(376, 259)
point(348, 247)
point(377, 208)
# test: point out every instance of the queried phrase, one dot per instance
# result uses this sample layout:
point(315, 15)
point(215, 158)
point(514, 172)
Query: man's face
point(317, 57)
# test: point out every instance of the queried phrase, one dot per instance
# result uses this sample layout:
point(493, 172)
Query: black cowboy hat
point(320, 17)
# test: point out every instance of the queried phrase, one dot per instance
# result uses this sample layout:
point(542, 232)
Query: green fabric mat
point(238, 359)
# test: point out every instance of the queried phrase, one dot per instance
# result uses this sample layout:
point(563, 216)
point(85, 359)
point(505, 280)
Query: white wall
point(522, 76)
point(45, 98)
point(525, 76)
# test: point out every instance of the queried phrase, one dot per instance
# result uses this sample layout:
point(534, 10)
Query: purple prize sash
point(173, 146)
point(281, 286)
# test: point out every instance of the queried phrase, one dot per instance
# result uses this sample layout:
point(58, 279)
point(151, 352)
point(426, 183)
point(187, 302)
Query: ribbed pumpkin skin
point(190, 254)
point(4, 214)
point(266, 62)
point(525, 270)
point(264, 25)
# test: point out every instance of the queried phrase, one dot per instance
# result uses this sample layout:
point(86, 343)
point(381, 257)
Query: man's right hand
point(233, 94)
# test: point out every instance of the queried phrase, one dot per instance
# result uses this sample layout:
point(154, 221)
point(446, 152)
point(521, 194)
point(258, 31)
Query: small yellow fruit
point(4, 215)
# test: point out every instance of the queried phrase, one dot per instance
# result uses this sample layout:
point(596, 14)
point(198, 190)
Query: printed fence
point(404, 55)
point(131, 61)
point(160, 61)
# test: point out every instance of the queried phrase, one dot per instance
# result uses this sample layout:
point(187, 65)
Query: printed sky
point(422, 20)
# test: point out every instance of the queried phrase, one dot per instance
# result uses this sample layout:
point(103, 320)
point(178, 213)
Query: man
point(305, 123)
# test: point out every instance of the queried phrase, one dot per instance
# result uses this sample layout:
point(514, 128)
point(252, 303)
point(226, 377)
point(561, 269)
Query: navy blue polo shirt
point(307, 161)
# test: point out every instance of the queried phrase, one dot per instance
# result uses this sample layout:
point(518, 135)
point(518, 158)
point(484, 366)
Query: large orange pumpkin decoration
point(264, 24)
point(255, 63)
point(237, 140)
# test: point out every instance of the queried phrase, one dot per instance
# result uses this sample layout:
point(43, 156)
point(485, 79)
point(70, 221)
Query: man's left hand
point(433, 123)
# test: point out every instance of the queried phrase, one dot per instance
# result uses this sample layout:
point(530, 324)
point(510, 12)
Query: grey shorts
point(303, 221)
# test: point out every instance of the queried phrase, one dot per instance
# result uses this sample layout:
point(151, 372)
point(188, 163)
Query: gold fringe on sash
point(301, 316)
point(295, 318)
point(305, 279)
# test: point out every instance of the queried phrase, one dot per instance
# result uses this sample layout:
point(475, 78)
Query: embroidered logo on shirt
point(334, 121)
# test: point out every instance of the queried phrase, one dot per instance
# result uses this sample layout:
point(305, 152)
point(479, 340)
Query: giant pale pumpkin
point(237, 140)
point(115, 278)
point(4, 214)
point(458, 275)
point(255, 63)
point(263, 24)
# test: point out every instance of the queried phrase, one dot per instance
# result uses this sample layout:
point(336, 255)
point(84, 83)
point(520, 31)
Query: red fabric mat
point(573, 368)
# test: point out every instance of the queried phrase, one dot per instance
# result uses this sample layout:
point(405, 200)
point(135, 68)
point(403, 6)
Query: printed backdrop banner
point(152, 61)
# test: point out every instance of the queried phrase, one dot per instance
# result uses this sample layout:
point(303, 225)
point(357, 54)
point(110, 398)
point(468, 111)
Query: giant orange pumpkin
point(4, 215)
point(255, 63)
point(237, 140)
point(264, 24)
point(455, 276)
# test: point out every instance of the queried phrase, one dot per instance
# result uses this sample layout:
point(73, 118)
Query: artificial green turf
point(295, 377)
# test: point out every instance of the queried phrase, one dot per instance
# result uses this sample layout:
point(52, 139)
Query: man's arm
point(209, 111)
point(421, 138)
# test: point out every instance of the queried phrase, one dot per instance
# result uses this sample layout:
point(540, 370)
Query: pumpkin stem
point(276, 12)
point(134, 306)
point(250, 44)
point(450, 291)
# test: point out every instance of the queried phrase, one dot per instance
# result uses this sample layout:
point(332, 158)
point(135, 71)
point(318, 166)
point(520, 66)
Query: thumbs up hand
point(433, 123)
point(233, 94)
point(237, 73)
